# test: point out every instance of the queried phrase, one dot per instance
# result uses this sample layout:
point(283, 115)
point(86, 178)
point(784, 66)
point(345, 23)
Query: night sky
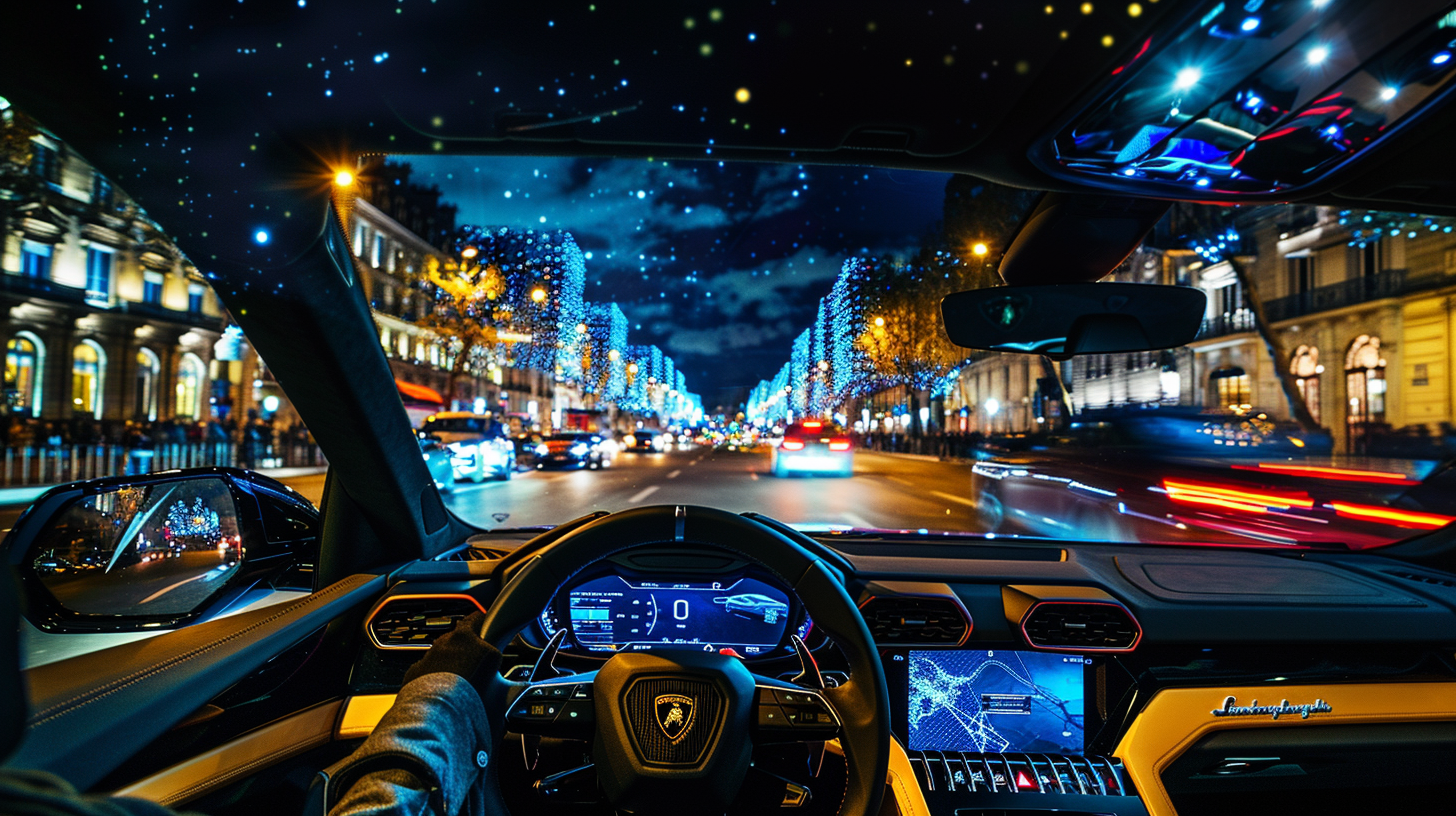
point(720, 264)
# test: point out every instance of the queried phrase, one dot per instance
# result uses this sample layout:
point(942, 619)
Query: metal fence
point(57, 464)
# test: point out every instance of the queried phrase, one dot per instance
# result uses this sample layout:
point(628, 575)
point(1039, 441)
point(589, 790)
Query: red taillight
point(839, 445)
point(793, 444)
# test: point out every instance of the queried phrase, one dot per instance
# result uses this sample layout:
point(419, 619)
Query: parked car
point(478, 444)
point(438, 461)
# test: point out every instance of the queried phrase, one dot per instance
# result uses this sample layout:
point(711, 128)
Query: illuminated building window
point(24, 360)
point(88, 371)
point(1306, 368)
point(148, 369)
point(35, 259)
point(195, 293)
point(152, 283)
point(98, 275)
point(1231, 388)
point(191, 386)
point(1365, 381)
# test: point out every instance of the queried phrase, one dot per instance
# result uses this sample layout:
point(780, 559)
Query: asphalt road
point(897, 492)
point(167, 586)
point(885, 491)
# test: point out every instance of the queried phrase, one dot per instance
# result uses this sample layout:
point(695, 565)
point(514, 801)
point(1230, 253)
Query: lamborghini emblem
point(674, 715)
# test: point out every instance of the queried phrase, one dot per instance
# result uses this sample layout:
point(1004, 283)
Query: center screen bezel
point(897, 670)
point(797, 621)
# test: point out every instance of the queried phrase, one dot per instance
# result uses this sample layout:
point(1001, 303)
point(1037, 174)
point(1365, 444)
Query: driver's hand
point(461, 652)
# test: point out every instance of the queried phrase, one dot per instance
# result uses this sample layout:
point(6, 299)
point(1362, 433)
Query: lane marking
point(642, 494)
point(905, 482)
point(959, 499)
point(674, 474)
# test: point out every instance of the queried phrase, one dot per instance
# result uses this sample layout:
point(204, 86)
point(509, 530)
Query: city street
point(886, 491)
point(892, 491)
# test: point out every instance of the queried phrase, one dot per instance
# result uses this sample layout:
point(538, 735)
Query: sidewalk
point(13, 496)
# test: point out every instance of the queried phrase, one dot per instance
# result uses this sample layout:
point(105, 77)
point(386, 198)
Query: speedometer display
point(614, 613)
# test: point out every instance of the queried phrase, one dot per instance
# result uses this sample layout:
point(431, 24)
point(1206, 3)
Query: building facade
point(396, 227)
point(104, 319)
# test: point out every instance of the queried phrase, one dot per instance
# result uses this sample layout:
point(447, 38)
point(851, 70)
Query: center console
point(1005, 731)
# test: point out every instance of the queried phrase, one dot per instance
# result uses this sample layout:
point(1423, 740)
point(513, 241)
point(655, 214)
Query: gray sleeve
point(426, 755)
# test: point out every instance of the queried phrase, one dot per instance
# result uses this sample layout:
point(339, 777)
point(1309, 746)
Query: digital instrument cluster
point(615, 613)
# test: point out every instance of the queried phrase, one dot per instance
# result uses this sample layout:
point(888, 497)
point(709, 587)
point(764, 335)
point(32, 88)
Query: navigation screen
point(613, 613)
point(995, 701)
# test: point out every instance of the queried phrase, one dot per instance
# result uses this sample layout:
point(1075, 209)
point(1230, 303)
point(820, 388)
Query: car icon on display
point(754, 607)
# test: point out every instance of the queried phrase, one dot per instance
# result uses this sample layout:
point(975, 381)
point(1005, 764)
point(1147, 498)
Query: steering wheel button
point(559, 691)
point(771, 716)
point(583, 692)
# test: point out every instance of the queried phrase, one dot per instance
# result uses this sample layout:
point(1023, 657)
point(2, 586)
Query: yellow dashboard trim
point(361, 714)
point(1175, 719)
point(900, 779)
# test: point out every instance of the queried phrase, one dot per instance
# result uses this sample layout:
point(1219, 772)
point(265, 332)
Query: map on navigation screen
point(995, 701)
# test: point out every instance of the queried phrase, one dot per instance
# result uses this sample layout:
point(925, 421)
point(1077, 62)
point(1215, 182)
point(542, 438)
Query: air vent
point(414, 621)
point(1423, 579)
point(1081, 625)
point(914, 620)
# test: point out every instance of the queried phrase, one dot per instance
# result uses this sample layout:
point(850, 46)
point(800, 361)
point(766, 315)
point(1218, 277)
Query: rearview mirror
point(134, 553)
point(1065, 320)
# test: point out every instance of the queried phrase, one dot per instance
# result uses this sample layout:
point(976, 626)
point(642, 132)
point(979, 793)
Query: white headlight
point(579, 449)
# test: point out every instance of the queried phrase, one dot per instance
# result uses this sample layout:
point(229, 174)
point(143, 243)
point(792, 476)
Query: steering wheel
point(673, 730)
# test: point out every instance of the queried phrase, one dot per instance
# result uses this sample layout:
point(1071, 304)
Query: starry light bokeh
point(721, 264)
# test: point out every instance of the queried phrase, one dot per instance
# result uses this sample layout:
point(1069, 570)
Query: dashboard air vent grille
point(1083, 625)
point(414, 621)
point(915, 620)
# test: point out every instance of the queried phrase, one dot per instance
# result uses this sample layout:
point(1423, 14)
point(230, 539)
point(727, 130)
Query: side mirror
point(134, 553)
point(1062, 321)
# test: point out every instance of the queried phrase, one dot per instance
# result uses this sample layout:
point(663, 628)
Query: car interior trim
point(1176, 719)
point(900, 779)
point(359, 714)
point(1021, 601)
point(374, 613)
point(243, 756)
point(920, 589)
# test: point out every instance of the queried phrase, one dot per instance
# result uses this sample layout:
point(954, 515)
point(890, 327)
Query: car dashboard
point(1030, 676)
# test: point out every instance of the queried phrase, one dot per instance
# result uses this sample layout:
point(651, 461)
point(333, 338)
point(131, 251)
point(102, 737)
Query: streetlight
point(343, 178)
point(538, 294)
point(979, 249)
point(468, 252)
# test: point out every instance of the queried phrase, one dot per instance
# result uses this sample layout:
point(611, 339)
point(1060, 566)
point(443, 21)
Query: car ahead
point(813, 447)
point(754, 607)
point(438, 460)
point(478, 444)
point(644, 440)
point(527, 445)
point(574, 450)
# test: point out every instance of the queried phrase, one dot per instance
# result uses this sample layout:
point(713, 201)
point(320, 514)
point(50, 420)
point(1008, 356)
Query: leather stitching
point(215, 782)
point(85, 698)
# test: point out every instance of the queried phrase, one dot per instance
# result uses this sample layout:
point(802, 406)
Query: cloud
point(729, 337)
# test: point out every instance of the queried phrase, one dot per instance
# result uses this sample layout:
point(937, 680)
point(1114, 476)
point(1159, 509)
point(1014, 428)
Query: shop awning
point(419, 393)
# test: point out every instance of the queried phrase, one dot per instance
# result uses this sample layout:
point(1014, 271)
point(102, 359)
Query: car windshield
point(780, 325)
